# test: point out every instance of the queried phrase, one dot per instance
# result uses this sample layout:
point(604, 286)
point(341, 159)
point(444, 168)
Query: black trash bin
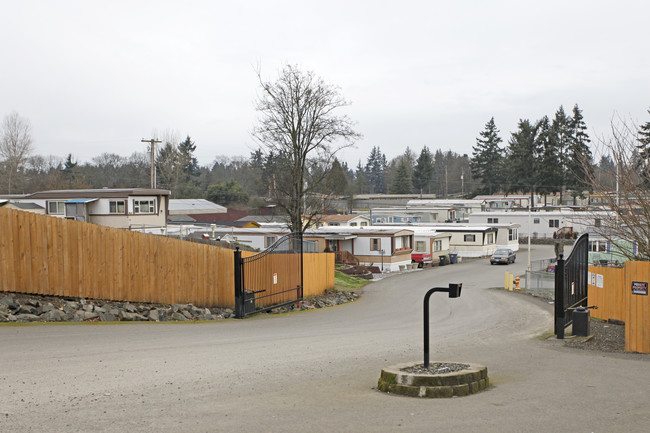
point(453, 258)
point(249, 302)
point(581, 322)
point(444, 260)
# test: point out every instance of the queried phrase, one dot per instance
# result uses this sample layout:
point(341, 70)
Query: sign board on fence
point(639, 288)
point(275, 278)
point(600, 280)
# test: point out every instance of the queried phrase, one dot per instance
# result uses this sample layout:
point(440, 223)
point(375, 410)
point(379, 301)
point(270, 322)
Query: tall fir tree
point(579, 165)
point(644, 151)
point(423, 171)
point(522, 158)
point(561, 128)
point(188, 162)
point(360, 180)
point(488, 160)
point(549, 173)
point(401, 183)
point(375, 171)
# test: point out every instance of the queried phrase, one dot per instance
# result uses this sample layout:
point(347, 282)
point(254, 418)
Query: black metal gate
point(571, 284)
point(269, 279)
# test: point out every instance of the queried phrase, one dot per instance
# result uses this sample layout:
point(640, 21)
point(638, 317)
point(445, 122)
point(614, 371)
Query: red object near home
point(421, 258)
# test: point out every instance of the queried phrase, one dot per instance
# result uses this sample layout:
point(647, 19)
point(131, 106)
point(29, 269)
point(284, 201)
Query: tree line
point(545, 156)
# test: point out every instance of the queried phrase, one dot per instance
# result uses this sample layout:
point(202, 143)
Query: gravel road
point(317, 371)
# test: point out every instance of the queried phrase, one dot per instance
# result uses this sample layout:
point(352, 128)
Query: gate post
point(559, 298)
point(239, 292)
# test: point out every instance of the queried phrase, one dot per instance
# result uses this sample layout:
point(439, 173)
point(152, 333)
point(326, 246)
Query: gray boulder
point(154, 315)
point(27, 318)
point(33, 303)
point(26, 309)
point(131, 317)
point(179, 316)
point(44, 308)
point(53, 316)
point(107, 317)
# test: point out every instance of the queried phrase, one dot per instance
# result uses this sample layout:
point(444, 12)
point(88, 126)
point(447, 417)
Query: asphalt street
point(316, 371)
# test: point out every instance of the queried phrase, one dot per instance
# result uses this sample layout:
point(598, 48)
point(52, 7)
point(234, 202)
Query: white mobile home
point(542, 224)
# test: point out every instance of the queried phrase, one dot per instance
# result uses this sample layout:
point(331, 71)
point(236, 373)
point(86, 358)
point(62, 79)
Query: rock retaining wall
point(29, 308)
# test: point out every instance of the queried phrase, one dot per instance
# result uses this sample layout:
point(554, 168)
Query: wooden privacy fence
point(617, 297)
point(43, 255)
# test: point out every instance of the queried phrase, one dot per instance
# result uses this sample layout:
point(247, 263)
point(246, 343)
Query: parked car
point(503, 256)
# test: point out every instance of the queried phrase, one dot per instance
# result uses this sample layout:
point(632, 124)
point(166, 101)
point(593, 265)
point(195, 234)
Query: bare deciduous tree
point(627, 225)
point(15, 144)
point(298, 125)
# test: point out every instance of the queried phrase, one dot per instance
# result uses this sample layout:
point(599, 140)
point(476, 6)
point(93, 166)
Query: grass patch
point(348, 282)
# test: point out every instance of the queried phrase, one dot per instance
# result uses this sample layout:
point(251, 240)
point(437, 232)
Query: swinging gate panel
point(270, 279)
point(571, 284)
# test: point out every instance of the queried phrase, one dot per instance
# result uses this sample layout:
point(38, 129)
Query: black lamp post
point(454, 292)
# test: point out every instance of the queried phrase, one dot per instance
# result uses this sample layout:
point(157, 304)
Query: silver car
point(506, 256)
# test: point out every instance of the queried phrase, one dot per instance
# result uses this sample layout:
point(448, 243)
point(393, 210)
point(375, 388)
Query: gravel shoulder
point(605, 336)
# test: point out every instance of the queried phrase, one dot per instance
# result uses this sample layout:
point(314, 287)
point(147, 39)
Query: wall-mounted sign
point(275, 278)
point(639, 288)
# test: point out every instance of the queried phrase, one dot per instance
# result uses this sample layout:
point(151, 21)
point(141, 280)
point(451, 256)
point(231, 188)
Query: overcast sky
point(98, 76)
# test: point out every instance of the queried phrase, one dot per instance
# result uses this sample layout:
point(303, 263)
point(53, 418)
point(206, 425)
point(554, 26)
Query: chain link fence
point(540, 280)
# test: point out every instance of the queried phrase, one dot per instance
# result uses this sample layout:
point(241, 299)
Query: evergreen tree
point(522, 159)
point(644, 151)
point(549, 172)
point(360, 180)
point(70, 170)
point(336, 181)
point(188, 163)
point(423, 172)
point(401, 183)
point(487, 159)
point(562, 136)
point(644, 138)
point(579, 164)
point(439, 171)
point(375, 171)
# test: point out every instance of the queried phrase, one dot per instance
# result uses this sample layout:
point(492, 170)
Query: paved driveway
point(316, 371)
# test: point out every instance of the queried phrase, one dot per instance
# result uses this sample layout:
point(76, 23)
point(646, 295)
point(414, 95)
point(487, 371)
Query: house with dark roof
point(27, 207)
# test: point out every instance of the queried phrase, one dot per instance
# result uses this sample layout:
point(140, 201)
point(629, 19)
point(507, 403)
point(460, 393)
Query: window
point(116, 206)
point(144, 206)
point(55, 207)
point(335, 224)
point(512, 234)
point(598, 246)
point(470, 238)
point(535, 220)
point(364, 223)
point(437, 245)
point(375, 244)
point(420, 246)
point(490, 238)
point(493, 220)
point(597, 222)
point(554, 223)
point(269, 240)
point(353, 224)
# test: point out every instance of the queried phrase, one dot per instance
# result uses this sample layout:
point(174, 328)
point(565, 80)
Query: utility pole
point(152, 142)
